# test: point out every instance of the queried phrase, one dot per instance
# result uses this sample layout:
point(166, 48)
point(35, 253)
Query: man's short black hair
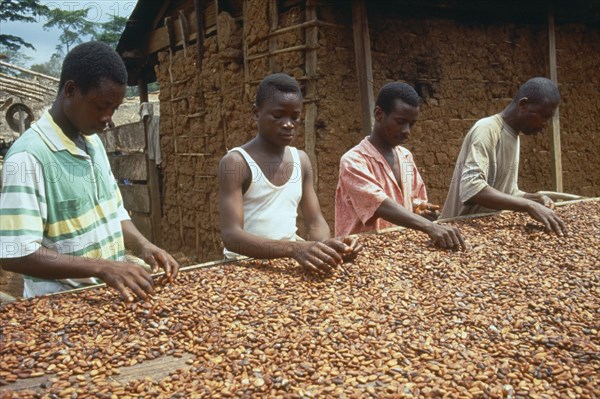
point(539, 90)
point(391, 92)
point(277, 82)
point(88, 63)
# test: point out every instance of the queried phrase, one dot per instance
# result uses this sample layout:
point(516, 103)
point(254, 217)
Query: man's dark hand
point(445, 236)
point(320, 257)
point(352, 250)
point(159, 258)
point(548, 218)
point(541, 199)
point(127, 278)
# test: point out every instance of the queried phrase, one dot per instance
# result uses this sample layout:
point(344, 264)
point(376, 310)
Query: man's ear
point(378, 112)
point(255, 110)
point(523, 101)
point(69, 89)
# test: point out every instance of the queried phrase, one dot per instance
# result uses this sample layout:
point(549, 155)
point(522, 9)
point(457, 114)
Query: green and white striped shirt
point(58, 196)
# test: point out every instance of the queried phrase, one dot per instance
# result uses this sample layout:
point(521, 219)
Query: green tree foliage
point(73, 24)
point(15, 57)
point(110, 32)
point(53, 66)
point(22, 11)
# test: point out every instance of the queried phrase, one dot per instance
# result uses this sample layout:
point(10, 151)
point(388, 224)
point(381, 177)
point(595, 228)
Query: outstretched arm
point(443, 236)
point(24, 199)
point(318, 230)
point(494, 199)
point(48, 264)
point(309, 205)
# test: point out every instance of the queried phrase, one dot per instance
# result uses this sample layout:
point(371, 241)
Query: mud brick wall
point(579, 82)
point(339, 118)
point(200, 121)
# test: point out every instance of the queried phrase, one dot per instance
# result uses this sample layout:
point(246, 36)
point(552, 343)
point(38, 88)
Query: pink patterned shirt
point(366, 180)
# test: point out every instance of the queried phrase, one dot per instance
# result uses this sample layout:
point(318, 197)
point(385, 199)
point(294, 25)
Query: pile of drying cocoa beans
point(517, 315)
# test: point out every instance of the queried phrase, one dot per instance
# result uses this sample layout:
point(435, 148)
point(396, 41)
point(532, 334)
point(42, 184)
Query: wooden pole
point(153, 189)
point(21, 121)
point(174, 130)
point(279, 51)
point(245, 52)
point(171, 34)
point(143, 90)
point(310, 120)
point(555, 127)
point(183, 28)
point(199, 6)
point(273, 25)
point(32, 85)
point(153, 184)
point(22, 91)
point(364, 69)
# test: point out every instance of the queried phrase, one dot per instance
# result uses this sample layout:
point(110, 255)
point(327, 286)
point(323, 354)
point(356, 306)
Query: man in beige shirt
point(486, 172)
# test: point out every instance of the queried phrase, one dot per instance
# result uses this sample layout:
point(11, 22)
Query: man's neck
point(379, 144)
point(265, 147)
point(509, 116)
point(63, 122)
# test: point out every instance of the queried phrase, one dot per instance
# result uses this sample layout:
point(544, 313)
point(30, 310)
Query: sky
point(45, 41)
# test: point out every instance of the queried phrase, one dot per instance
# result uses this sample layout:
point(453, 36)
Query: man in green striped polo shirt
point(62, 220)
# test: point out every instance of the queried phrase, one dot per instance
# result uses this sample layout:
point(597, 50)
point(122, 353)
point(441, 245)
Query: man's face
point(536, 116)
point(279, 117)
point(395, 126)
point(92, 112)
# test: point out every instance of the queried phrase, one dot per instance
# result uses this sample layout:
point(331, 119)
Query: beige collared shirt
point(489, 157)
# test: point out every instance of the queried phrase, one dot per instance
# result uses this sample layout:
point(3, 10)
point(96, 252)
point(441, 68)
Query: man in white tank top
point(264, 182)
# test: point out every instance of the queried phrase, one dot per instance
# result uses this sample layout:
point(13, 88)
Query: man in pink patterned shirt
point(379, 185)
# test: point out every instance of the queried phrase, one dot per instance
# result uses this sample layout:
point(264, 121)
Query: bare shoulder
point(304, 159)
point(231, 157)
point(233, 167)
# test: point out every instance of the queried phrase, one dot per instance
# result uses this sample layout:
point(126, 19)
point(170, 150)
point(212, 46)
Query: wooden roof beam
point(159, 38)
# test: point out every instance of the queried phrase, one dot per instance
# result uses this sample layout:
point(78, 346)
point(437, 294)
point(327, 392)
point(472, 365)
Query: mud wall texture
point(339, 118)
point(201, 109)
point(463, 72)
point(579, 83)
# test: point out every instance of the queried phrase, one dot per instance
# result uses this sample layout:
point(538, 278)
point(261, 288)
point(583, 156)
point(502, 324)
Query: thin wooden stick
point(311, 38)
point(30, 84)
point(280, 51)
point(28, 71)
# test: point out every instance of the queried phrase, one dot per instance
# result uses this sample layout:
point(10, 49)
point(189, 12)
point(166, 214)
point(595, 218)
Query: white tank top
point(270, 211)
